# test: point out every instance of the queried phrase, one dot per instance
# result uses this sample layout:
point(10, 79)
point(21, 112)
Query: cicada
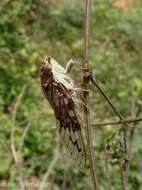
point(58, 88)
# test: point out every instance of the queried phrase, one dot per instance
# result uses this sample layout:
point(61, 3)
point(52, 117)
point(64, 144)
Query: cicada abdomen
point(58, 89)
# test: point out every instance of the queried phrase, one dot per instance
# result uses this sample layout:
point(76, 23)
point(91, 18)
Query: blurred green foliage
point(31, 29)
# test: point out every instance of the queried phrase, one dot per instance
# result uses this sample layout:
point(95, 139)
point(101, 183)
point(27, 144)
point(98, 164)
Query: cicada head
point(46, 74)
point(46, 68)
point(46, 63)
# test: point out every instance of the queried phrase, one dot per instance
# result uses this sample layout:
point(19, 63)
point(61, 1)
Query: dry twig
point(50, 168)
point(86, 95)
point(135, 112)
point(24, 136)
point(93, 80)
point(16, 158)
point(130, 120)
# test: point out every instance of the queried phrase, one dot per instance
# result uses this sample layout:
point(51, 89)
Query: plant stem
point(130, 120)
point(94, 82)
point(86, 95)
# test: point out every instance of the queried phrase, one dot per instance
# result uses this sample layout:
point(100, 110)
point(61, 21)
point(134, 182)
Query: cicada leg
point(71, 63)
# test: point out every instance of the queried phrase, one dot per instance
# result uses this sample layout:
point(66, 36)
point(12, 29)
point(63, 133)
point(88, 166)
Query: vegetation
point(31, 29)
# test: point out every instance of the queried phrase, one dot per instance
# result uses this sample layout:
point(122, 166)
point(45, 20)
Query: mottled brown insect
point(58, 88)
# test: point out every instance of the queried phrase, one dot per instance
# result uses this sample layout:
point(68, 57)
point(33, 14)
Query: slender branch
point(135, 112)
point(17, 104)
point(123, 128)
point(113, 108)
point(50, 168)
point(106, 97)
point(124, 174)
point(86, 95)
point(12, 139)
point(108, 174)
point(24, 136)
point(131, 120)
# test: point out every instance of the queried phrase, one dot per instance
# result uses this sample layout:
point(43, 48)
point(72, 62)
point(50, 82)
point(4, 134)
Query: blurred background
point(30, 150)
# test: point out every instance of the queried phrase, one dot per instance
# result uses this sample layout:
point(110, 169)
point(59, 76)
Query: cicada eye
point(49, 60)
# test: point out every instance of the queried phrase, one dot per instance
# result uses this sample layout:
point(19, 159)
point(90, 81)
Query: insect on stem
point(58, 88)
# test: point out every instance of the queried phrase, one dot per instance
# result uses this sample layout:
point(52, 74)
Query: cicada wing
point(73, 142)
point(69, 128)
